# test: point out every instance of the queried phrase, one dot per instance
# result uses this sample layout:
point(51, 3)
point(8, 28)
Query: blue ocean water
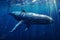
point(35, 32)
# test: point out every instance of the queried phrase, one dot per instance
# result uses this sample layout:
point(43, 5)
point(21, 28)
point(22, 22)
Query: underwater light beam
point(56, 10)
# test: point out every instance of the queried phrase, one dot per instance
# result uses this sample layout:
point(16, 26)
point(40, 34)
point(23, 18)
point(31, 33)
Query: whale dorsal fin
point(23, 11)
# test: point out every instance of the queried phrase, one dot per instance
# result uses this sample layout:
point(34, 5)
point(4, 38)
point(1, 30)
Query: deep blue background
point(36, 32)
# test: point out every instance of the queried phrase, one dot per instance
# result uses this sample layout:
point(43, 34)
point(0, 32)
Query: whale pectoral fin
point(27, 27)
point(19, 23)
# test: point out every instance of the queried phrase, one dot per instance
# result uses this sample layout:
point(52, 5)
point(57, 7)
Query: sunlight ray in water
point(51, 4)
point(53, 11)
point(56, 10)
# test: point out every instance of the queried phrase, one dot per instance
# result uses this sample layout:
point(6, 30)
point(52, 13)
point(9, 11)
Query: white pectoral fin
point(26, 29)
point(16, 25)
point(27, 26)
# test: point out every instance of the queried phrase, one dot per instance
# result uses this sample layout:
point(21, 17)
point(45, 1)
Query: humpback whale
point(30, 18)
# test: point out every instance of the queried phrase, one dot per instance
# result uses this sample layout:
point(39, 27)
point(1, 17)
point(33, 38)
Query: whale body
point(30, 18)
